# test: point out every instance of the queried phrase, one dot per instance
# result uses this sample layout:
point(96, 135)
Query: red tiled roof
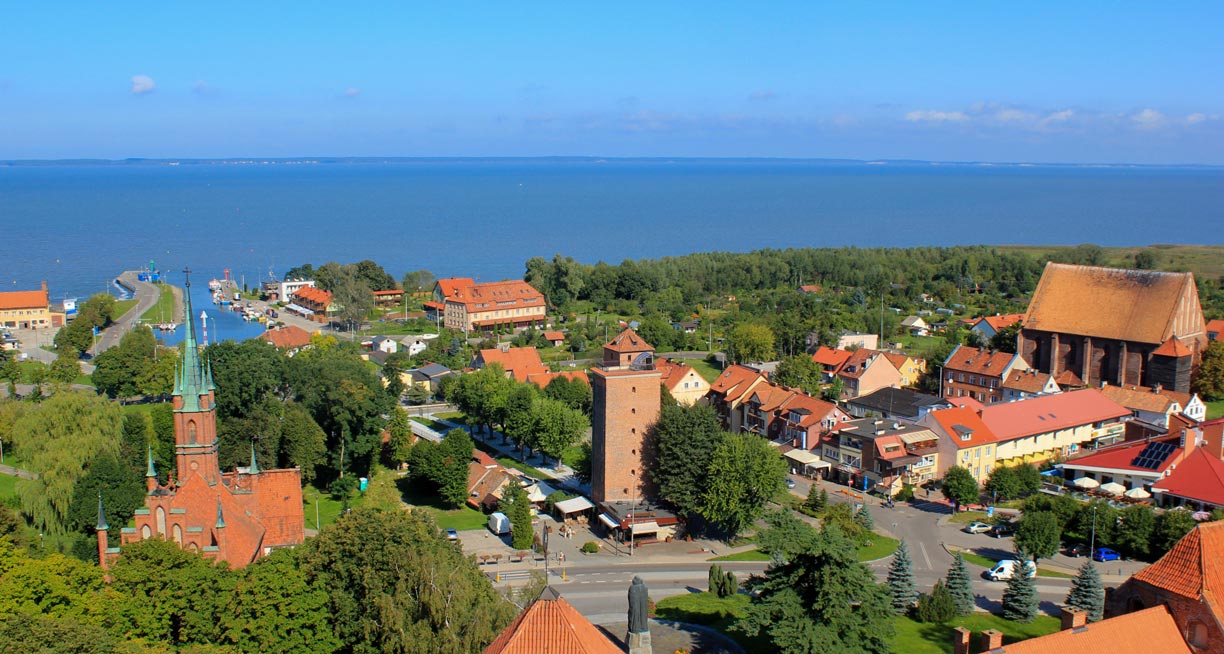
point(23, 300)
point(1123, 457)
point(978, 361)
point(390, 292)
point(287, 337)
point(543, 379)
point(674, 373)
point(816, 409)
point(860, 361)
point(1216, 327)
point(451, 286)
point(1143, 398)
point(966, 403)
point(628, 341)
point(436, 306)
point(810, 288)
point(554, 336)
point(1151, 631)
point(1067, 378)
point(735, 381)
point(1172, 348)
point(1050, 413)
point(958, 421)
point(1125, 305)
point(1191, 568)
point(1001, 322)
point(1027, 381)
point(279, 496)
point(520, 362)
point(899, 360)
point(313, 295)
point(550, 625)
point(830, 357)
point(1199, 477)
point(495, 296)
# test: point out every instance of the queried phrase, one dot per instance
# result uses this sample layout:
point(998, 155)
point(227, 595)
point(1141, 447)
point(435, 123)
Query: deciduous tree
point(799, 371)
point(1039, 535)
point(683, 441)
point(517, 507)
point(752, 342)
point(273, 608)
point(745, 473)
point(960, 486)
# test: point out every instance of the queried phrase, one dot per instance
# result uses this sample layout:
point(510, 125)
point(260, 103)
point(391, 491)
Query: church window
point(161, 521)
point(145, 532)
point(178, 535)
point(191, 432)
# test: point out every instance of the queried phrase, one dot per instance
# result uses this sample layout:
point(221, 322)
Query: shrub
point(590, 547)
point(939, 606)
point(906, 494)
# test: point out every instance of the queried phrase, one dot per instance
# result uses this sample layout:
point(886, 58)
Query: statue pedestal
point(639, 643)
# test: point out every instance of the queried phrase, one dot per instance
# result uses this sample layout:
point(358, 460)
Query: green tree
point(820, 599)
point(1171, 526)
point(345, 399)
point(683, 441)
point(456, 450)
point(122, 487)
point(1005, 340)
point(938, 607)
point(817, 500)
point(799, 371)
point(353, 297)
point(1209, 382)
point(745, 473)
point(400, 431)
point(752, 342)
point(517, 507)
point(1087, 592)
point(58, 440)
point(248, 375)
point(833, 392)
point(302, 442)
point(417, 281)
point(1020, 602)
point(863, 518)
point(273, 608)
point(393, 584)
point(901, 580)
point(575, 393)
point(959, 585)
point(557, 427)
point(1028, 478)
point(65, 368)
point(959, 486)
point(1003, 483)
point(519, 417)
point(1039, 535)
point(119, 371)
point(1136, 526)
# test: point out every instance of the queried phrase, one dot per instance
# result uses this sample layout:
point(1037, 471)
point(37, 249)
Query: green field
point(879, 547)
point(1215, 409)
point(122, 307)
point(707, 370)
point(462, 519)
point(163, 311)
point(965, 517)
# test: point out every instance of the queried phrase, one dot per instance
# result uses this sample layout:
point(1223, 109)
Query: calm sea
point(77, 227)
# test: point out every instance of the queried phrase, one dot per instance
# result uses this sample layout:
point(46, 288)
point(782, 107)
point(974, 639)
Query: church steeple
point(195, 419)
point(254, 469)
point(193, 380)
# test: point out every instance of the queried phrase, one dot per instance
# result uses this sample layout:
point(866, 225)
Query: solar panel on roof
point(1153, 455)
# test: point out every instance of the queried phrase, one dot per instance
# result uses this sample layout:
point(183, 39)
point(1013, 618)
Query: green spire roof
point(102, 526)
point(152, 470)
point(254, 466)
point(193, 379)
point(220, 518)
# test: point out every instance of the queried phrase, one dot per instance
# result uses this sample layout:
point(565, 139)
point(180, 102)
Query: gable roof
point(960, 421)
point(978, 360)
point(1216, 327)
point(519, 362)
point(735, 382)
point(1151, 631)
point(1142, 398)
point(550, 625)
point(1027, 381)
point(628, 341)
point(1050, 413)
point(451, 286)
point(554, 336)
point(1125, 305)
point(860, 361)
point(23, 300)
point(489, 296)
point(913, 321)
point(1191, 568)
point(899, 360)
point(1172, 348)
point(1199, 477)
point(287, 337)
point(674, 373)
point(899, 401)
point(1000, 322)
point(315, 295)
point(830, 357)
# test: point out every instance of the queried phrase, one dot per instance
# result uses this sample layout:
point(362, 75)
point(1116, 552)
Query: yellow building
point(911, 368)
point(28, 310)
point(482, 307)
point(683, 382)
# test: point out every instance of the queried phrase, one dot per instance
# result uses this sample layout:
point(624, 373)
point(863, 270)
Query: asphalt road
point(146, 295)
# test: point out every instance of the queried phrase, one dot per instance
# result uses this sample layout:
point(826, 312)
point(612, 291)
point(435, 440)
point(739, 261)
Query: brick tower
point(626, 405)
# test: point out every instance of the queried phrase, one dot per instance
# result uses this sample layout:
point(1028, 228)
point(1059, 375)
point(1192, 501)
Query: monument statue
point(639, 610)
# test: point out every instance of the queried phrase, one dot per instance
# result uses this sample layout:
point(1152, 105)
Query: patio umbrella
point(1200, 515)
point(1137, 494)
point(1113, 488)
point(1087, 482)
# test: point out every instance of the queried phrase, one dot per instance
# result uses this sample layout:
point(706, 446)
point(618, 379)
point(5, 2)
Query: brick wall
point(1193, 617)
point(626, 405)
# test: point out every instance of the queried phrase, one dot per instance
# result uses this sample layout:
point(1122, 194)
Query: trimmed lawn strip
point(163, 310)
point(746, 555)
point(965, 517)
point(880, 547)
point(329, 509)
point(439, 427)
point(1215, 409)
point(122, 307)
point(977, 559)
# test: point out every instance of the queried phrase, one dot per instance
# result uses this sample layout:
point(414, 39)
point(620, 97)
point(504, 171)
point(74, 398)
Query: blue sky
point(1021, 81)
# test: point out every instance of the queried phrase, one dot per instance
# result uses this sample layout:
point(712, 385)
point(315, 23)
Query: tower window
point(191, 432)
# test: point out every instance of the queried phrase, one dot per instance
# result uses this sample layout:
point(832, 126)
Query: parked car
point(1077, 550)
point(790, 483)
point(452, 534)
point(977, 528)
point(1002, 529)
point(1104, 554)
point(1006, 569)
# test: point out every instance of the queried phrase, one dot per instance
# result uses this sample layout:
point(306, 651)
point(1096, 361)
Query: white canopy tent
point(573, 505)
point(1087, 482)
point(1137, 494)
point(1113, 488)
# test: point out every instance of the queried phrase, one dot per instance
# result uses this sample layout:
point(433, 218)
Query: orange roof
point(978, 360)
point(1191, 569)
point(543, 379)
point(1143, 398)
point(1027, 381)
point(450, 287)
point(550, 625)
point(959, 422)
point(1001, 322)
point(1199, 477)
point(1172, 348)
point(287, 337)
point(629, 341)
point(899, 360)
point(674, 373)
point(314, 295)
point(735, 381)
point(816, 409)
point(1126, 305)
point(554, 336)
point(520, 362)
point(490, 296)
point(1067, 378)
point(830, 357)
point(1216, 327)
point(1049, 413)
point(1151, 631)
point(436, 306)
point(394, 291)
point(810, 288)
point(24, 300)
point(860, 360)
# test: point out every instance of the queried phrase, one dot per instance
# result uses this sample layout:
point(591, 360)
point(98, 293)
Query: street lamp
point(1092, 540)
point(632, 503)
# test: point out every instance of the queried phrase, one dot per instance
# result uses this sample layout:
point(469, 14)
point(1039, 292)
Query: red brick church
point(236, 517)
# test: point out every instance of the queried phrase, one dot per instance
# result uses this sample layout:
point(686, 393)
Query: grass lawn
point(163, 311)
point(716, 612)
point(8, 484)
point(920, 638)
point(461, 519)
point(880, 547)
point(965, 517)
point(329, 509)
point(707, 370)
point(1215, 409)
point(746, 555)
point(122, 307)
point(453, 416)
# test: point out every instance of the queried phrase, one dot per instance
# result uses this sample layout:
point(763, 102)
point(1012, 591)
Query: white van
point(499, 523)
point(1005, 569)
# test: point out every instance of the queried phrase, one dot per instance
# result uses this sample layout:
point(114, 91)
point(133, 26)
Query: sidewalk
point(557, 472)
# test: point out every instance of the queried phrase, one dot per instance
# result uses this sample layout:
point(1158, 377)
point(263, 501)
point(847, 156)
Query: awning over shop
point(645, 527)
point(574, 505)
point(802, 456)
point(299, 309)
point(609, 521)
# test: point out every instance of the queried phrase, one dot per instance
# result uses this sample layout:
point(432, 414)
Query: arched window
point(193, 547)
point(161, 522)
point(191, 432)
point(178, 535)
point(145, 532)
point(1198, 634)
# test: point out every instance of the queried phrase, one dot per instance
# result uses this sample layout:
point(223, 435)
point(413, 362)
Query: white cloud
point(142, 84)
point(1196, 118)
point(932, 116)
point(352, 92)
point(1148, 119)
point(1011, 115)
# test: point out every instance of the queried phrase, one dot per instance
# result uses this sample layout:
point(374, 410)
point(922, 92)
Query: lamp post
point(1092, 540)
point(632, 504)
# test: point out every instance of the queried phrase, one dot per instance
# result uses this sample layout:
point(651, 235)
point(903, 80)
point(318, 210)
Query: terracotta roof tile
point(1068, 379)
point(1150, 631)
point(1123, 457)
point(1050, 413)
point(488, 296)
point(287, 337)
point(628, 341)
point(450, 287)
point(23, 300)
point(674, 373)
point(1191, 569)
point(550, 625)
point(1216, 327)
point(1172, 348)
point(543, 379)
point(959, 422)
point(1001, 322)
point(830, 358)
point(313, 295)
point(979, 361)
point(554, 336)
point(860, 361)
point(1027, 381)
point(1200, 477)
point(1126, 305)
point(1142, 398)
point(520, 362)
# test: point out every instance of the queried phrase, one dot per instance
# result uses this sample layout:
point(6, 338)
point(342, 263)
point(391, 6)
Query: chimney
point(960, 640)
point(1073, 617)
point(1155, 389)
point(992, 639)
point(44, 286)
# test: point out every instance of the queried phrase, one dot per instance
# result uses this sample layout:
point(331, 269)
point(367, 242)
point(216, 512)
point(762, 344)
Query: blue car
point(1104, 554)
